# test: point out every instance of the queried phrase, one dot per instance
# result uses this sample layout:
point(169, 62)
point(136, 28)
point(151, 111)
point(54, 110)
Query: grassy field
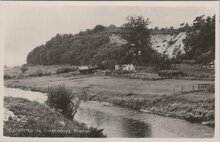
point(155, 96)
point(106, 84)
point(36, 120)
point(196, 70)
point(15, 72)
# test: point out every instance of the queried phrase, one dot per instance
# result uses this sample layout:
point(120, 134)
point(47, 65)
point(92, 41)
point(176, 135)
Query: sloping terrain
point(170, 44)
point(94, 47)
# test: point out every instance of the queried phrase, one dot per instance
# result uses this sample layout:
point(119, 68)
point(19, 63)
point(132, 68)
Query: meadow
point(155, 96)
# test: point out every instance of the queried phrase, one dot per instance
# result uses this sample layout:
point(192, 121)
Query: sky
point(29, 26)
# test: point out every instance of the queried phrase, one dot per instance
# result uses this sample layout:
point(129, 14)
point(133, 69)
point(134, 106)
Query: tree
point(156, 28)
point(200, 40)
point(99, 28)
point(24, 68)
point(162, 62)
point(137, 35)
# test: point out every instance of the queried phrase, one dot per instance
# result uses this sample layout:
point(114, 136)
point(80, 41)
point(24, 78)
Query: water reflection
point(123, 122)
point(114, 125)
point(135, 128)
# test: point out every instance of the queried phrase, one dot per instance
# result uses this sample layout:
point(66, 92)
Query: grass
point(183, 106)
point(37, 120)
point(63, 99)
point(143, 76)
point(196, 70)
point(153, 95)
point(59, 97)
point(65, 70)
point(34, 71)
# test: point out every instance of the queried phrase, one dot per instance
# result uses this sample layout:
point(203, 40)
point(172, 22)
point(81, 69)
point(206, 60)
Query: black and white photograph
point(110, 70)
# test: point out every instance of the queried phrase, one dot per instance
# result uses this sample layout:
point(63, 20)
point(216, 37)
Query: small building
point(125, 67)
point(117, 67)
point(86, 69)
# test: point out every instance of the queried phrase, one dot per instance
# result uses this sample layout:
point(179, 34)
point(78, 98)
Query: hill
point(103, 46)
point(89, 47)
point(95, 47)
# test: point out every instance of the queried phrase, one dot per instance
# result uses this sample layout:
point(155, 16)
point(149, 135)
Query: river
point(124, 122)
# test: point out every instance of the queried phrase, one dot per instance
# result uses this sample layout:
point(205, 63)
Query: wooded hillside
point(105, 46)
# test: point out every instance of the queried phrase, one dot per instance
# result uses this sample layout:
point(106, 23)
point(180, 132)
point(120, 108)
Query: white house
point(125, 67)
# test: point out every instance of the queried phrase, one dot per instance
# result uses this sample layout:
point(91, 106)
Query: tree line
point(200, 40)
point(93, 46)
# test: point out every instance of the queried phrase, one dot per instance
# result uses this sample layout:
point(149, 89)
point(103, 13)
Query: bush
point(39, 72)
point(7, 77)
point(24, 68)
point(65, 70)
point(59, 97)
point(170, 73)
point(211, 88)
point(62, 98)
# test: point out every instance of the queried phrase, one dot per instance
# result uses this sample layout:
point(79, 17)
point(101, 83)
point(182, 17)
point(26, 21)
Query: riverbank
point(196, 107)
point(145, 95)
point(32, 119)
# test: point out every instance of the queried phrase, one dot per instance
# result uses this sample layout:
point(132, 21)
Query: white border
point(115, 3)
point(214, 4)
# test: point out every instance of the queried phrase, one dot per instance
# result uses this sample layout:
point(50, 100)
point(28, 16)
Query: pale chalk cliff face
point(169, 44)
point(163, 43)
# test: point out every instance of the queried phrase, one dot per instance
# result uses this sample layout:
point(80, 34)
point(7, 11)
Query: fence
point(190, 88)
point(203, 86)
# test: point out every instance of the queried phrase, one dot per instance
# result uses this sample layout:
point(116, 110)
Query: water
point(123, 122)
point(30, 95)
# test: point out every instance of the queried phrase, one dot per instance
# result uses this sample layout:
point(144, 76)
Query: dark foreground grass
point(37, 120)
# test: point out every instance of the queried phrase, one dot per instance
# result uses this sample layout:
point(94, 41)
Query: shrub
point(47, 73)
point(62, 98)
point(211, 88)
point(39, 72)
point(170, 73)
point(7, 77)
point(59, 97)
point(24, 68)
point(65, 70)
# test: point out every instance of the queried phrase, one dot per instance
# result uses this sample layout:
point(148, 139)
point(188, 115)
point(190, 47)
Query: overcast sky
point(29, 26)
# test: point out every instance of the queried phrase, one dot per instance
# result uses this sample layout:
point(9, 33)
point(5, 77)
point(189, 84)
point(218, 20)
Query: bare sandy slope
point(161, 43)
